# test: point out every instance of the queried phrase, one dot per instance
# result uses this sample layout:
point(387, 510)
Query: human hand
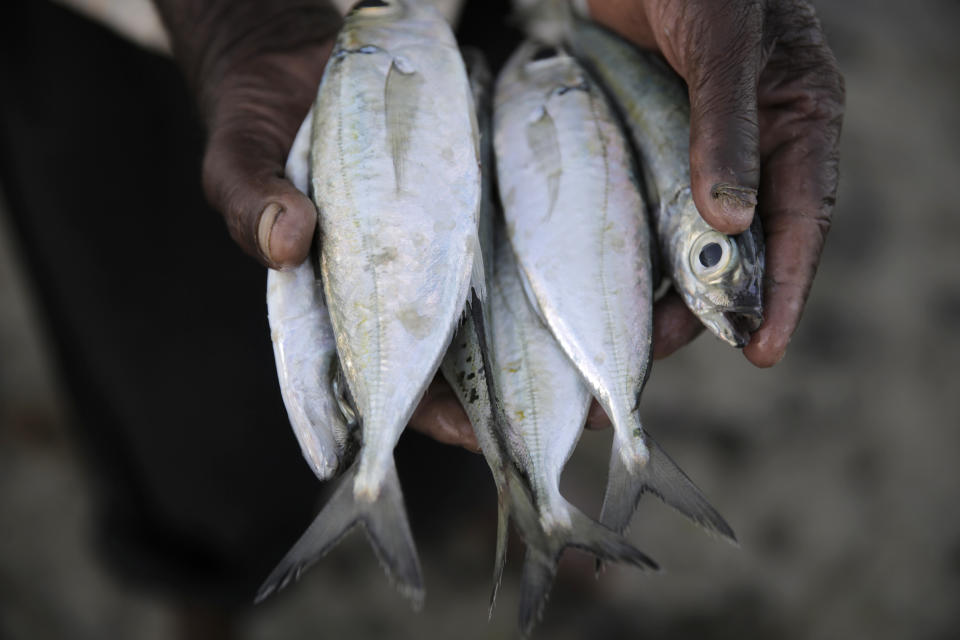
point(766, 105)
point(254, 67)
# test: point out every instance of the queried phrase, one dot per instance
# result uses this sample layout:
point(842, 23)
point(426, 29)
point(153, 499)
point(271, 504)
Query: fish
point(466, 365)
point(575, 218)
point(719, 276)
point(527, 450)
point(305, 349)
point(395, 176)
point(545, 403)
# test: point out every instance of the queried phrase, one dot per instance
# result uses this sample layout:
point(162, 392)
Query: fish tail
point(478, 277)
point(663, 478)
point(629, 441)
point(536, 581)
point(545, 547)
point(385, 521)
point(500, 555)
point(589, 535)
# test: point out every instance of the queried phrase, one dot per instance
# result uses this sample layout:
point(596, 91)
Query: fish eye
point(710, 254)
point(713, 255)
point(544, 53)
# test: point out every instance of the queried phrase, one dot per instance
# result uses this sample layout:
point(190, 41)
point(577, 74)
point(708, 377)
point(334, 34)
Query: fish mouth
point(734, 326)
point(743, 324)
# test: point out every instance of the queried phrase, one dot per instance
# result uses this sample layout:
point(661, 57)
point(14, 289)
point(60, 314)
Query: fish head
point(373, 25)
point(377, 12)
point(548, 66)
point(721, 279)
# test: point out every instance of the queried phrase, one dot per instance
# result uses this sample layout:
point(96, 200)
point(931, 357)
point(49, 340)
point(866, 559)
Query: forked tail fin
point(545, 547)
point(663, 478)
point(500, 556)
point(386, 526)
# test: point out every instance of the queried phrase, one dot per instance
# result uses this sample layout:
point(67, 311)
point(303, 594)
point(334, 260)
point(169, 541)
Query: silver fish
point(719, 276)
point(545, 404)
point(304, 347)
point(466, 363)
point(525, 449)
point(395, 176)
point(575, 219)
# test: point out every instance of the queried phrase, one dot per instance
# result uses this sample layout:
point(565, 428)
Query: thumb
point(243, 179)
point(718, 49)
point(253, 120)
point(254, 67)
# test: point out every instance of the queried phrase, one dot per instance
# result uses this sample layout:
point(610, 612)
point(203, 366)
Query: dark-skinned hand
point(766, 105)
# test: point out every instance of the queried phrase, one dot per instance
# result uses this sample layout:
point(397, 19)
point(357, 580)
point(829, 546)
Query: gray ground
point(837, 468)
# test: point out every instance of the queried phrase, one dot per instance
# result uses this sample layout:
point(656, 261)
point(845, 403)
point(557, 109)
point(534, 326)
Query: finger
point(718, 49)
point(801, 120)
point(673, 325)
point(252, 126)
point(624, 17)
point(597, 417)
point(266, 215)
point(722, 73)
point(440, 416)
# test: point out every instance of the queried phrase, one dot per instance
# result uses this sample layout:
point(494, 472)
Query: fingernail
point(766, 350)
point(737, 203)
point(268, 218)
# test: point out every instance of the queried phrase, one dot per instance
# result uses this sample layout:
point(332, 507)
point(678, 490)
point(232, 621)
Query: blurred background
point(837, 468)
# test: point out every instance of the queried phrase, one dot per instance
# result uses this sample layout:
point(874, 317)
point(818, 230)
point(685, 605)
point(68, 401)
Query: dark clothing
point(158, 319)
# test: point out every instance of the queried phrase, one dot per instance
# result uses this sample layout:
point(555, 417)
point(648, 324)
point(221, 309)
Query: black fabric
point(159, 320)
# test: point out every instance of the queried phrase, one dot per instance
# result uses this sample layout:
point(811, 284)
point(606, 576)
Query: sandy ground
point(836, 468)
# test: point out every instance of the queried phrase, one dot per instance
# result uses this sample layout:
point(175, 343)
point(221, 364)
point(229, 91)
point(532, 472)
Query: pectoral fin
point(545, 146)
point(402, 98)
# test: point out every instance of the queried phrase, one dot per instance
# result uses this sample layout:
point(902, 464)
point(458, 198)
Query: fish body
point(395, 177)
point(718, 276)
point(466, 365)
point(544, 399)
point(305, 353)
point(396, 180)
point(575, 217)
point(544, 408)
point(304, 347)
